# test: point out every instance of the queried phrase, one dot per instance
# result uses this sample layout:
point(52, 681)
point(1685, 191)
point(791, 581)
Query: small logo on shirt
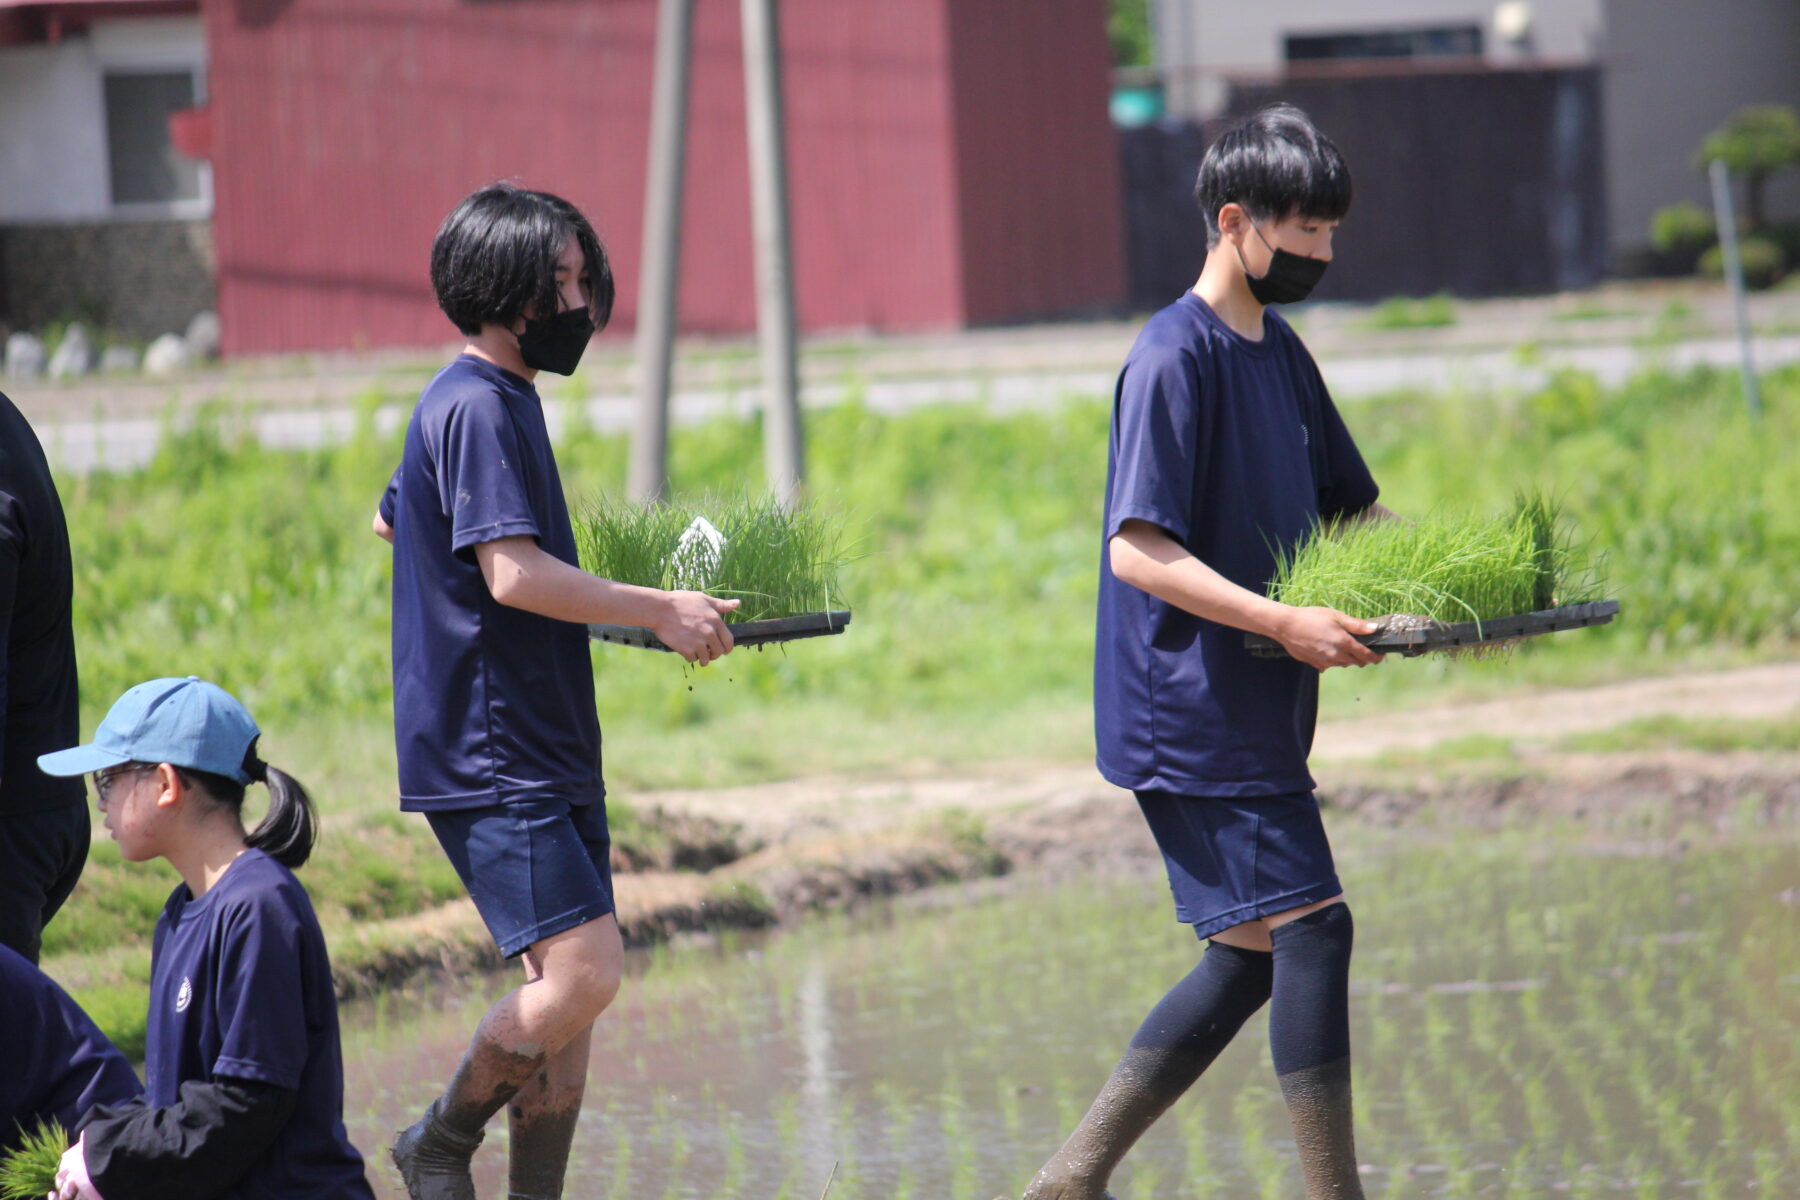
point(185, 996)
point(1305, 435)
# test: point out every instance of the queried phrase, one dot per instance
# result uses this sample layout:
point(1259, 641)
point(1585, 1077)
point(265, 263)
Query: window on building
point(1431, 42)
point(145, 167)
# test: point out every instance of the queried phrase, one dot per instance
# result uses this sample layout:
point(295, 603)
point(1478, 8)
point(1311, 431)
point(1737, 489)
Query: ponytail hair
point(291, 827)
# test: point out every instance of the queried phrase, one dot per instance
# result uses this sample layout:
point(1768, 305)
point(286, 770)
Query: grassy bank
point(978, 541)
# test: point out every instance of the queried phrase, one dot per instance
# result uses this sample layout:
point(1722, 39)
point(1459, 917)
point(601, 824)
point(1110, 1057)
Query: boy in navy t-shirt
point(1225, 450)
point(494, 719)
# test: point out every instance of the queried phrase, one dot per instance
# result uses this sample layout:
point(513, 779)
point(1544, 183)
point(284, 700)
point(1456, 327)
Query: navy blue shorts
point(1234, 858)
point(534, 867)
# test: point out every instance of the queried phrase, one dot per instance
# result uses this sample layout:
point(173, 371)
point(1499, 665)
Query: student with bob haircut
point(244, 1073)
point(1226, 450)
point(495, 723)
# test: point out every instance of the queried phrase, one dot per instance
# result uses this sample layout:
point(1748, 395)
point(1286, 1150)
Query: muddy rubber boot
point(434, 1159)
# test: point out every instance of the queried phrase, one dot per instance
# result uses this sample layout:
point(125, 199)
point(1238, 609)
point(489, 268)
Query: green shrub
point(1761, 258)
point(1682, 232)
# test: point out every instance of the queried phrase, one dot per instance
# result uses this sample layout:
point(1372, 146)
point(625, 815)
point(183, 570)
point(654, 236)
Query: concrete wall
point(53, 148)
point(133, 279)
point(1674, 70)
point(1201, 42)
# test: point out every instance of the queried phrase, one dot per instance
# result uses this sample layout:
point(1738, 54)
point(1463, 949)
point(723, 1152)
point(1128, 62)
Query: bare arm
point(1147, 558)
point(520, 575)
point(383, 530)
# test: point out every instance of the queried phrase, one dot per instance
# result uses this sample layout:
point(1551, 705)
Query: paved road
point(80, 443)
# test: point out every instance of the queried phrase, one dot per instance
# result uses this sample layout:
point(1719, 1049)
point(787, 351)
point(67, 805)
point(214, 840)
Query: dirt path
point(833, 842)
point(1750, 693)
point(803, 808)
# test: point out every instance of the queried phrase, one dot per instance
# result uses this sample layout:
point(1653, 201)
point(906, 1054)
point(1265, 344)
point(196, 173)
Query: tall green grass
point(980, 539)
point(28, 1171)
point(778, 560)
point(1444, 566)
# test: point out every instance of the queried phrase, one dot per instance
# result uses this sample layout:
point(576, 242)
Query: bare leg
point(578, 976)
point(543, 1117)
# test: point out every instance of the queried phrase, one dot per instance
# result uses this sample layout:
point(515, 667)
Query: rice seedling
point(29, 1171)
point(1442, 568)
point(780, 561)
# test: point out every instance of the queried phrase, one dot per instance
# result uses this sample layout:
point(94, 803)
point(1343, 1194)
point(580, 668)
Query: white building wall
point(53, 148)
point(1674, 71)
point(1200, 43)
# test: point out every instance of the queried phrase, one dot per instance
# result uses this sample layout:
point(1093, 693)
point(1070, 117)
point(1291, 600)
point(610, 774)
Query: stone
point(203, 337)
point(25, 356)
point(166, 355)
point(118, 358)
point(74, 354)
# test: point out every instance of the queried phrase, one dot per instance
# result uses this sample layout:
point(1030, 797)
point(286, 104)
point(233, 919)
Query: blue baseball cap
point(184, 722)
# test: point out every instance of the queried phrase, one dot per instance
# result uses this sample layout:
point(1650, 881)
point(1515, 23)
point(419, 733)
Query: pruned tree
point(1754, 142)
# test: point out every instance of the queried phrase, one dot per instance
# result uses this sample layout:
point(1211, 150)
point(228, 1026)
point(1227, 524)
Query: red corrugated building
point(951, 161)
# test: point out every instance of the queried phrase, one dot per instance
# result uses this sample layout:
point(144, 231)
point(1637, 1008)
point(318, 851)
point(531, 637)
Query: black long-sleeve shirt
point(198, 1148)
point(39, 698)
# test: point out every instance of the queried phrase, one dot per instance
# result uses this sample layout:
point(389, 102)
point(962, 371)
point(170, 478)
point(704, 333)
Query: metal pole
point(1734, 276)
point(648, 478)
point(782, 438)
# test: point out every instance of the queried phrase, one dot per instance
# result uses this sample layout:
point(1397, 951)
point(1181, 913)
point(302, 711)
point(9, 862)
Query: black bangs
point(495, 256)
point(1276, 164)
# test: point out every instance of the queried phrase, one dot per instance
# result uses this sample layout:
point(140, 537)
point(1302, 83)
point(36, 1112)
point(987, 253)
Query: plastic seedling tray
point(745, 633)
point(1441, 635)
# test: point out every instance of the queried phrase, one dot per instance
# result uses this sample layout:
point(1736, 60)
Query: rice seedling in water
point(779, 561)
point(29, 1172)
point(1442, 568)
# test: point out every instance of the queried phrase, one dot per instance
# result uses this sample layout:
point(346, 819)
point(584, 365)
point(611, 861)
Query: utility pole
point(648, 478)
point(1734, 277)
point(782, 438)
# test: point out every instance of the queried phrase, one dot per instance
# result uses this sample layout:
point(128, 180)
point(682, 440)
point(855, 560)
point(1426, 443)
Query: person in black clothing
point(43, 821)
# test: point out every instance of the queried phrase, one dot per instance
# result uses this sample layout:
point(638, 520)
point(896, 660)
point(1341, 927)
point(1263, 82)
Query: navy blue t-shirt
point(58, 1063)
point(1235, 449)
point(240, 987)
point(491, 703)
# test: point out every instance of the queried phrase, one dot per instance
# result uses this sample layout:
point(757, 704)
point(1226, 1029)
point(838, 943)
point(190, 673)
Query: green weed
point(1404, 312)
point(29, 1171)
point(1714, 735)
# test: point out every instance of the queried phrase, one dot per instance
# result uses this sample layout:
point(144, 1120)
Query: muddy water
point(1533, 1016)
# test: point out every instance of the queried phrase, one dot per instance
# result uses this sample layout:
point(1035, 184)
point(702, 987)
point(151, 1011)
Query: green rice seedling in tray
point(1447, 582)
point(28, 1171)
point(782, 562)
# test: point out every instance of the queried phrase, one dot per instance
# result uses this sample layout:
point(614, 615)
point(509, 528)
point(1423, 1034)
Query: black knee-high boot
point(1309, 1039)
point(1177, 1041)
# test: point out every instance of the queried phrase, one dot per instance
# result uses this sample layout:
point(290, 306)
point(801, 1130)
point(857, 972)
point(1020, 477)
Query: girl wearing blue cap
point(245, 1075)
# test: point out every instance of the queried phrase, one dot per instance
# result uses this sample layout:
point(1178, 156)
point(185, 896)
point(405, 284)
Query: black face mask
point(555, 344)
point(1289, 279)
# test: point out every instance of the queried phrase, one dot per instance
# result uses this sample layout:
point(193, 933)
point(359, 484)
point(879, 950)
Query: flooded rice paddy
point(1533, 1016)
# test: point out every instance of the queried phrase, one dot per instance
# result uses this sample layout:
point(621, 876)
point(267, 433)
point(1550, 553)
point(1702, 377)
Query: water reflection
point(1530, 1019)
